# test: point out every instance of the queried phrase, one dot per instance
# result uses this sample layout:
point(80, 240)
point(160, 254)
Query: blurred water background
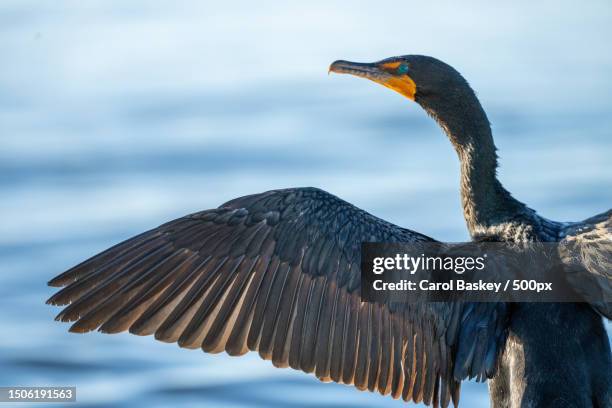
point(117, 116)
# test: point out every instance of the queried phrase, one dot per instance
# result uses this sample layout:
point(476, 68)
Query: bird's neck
point(485, 201)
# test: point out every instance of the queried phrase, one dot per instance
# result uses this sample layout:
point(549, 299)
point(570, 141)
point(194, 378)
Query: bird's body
point(278, 273)
point(555, 353)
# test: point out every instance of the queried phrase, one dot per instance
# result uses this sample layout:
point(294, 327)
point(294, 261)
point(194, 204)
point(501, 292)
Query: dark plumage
point(568, 340)
point(278, 273)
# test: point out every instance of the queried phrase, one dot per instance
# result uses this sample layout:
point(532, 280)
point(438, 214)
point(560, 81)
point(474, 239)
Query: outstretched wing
point(279, 273)
point(586, 252)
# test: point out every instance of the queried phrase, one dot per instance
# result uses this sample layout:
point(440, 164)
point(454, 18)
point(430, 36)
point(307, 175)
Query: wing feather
point(278, 273)
point(586, 252)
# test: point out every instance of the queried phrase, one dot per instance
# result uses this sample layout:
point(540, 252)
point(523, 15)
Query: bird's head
point(417, 77)
point(434, 85)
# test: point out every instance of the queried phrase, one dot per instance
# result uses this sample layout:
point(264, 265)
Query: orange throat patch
point(403, 85)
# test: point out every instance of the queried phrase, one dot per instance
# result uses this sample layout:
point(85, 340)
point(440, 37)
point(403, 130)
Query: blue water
point(116, 117)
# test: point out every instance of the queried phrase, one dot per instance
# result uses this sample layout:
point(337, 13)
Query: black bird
point(557, 355)
point(278, 273)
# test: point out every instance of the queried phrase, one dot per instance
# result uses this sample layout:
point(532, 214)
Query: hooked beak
point(380, 72)
point(360, 69)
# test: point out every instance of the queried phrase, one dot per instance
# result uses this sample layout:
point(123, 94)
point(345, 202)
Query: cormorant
point(278, 273)
point(557, 354)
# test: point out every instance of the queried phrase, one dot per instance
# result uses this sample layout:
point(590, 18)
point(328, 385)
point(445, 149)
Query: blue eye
point(403, 68)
